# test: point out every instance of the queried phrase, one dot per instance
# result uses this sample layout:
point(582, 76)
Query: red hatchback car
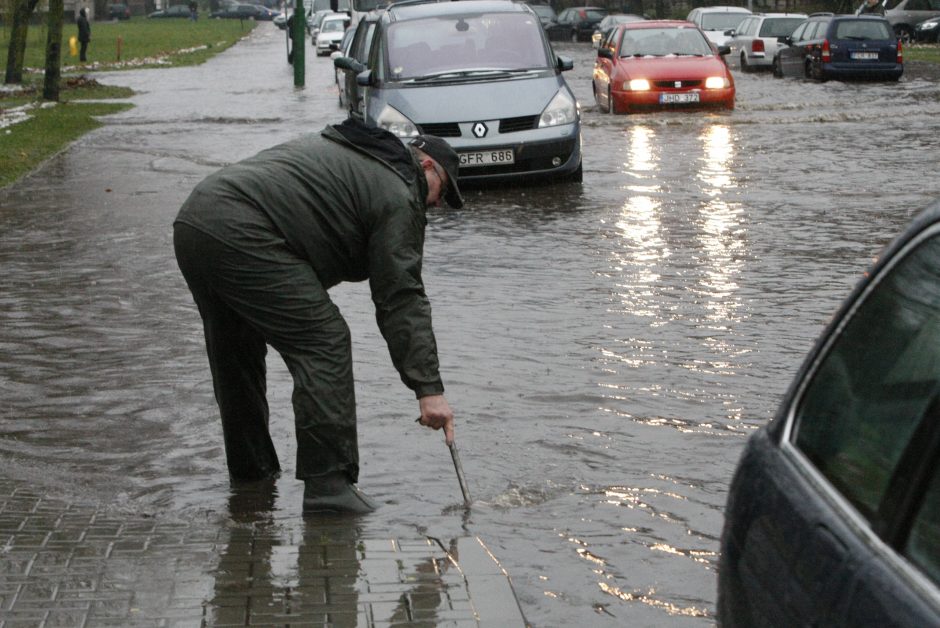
point(661, 64)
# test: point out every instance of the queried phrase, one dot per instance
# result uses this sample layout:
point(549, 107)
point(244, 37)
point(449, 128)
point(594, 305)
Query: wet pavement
point(64, 564)
point(607, 349)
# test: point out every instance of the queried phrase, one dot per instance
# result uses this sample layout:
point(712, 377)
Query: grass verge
point(31, 132)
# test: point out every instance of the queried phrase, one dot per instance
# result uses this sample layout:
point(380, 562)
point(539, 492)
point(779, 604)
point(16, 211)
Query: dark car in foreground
point(843, 47)
point(833, 514)
point(479, 74)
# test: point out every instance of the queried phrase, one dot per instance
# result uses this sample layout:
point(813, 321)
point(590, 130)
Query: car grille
point(445, 129)
point(681, 85)
point(506, 125)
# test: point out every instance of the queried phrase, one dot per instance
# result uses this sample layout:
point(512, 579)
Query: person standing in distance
point(84, 35)
point(261, 241)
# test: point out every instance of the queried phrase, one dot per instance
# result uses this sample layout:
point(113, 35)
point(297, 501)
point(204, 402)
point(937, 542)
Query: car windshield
point(862, 30)
point(332, 26)
point(779, 26)
point(595, 14)
point(722, 21)
point(467, 43)
point(660, 42)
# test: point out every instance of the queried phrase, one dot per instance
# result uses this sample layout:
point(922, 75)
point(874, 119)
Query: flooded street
point(607, 347)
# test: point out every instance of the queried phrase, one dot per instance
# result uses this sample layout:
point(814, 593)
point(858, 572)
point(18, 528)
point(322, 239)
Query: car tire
point(778, 68)
point(577, 176)
point(745, 67)
point(905, 33)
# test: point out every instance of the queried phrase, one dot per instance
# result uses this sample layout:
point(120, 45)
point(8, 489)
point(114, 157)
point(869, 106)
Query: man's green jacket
point(350, 202)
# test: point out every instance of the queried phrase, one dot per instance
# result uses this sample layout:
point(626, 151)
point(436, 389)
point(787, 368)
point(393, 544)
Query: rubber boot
point(333, 492)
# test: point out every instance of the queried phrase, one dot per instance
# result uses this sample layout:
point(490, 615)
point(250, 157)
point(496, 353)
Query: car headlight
point(716, 82)
point(637, 85)
point(928, 26)
point(561, 110)
point(395, 122)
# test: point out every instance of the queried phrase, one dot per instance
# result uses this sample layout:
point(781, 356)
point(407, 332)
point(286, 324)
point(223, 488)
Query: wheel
point(778, 68)
point(905, 33)
point(744, 65)
point(578, 175)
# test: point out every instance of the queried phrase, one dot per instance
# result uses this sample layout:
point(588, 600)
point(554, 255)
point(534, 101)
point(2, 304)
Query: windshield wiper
point(461, 75)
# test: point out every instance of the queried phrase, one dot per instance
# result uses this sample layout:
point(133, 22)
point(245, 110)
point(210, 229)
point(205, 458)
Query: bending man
point(261, 241)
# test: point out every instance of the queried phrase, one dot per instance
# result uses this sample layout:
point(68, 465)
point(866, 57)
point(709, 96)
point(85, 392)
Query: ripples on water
point(607, 347)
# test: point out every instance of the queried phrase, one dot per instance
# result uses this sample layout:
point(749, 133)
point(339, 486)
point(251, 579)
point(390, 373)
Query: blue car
point(833, 514)
point(843, 47)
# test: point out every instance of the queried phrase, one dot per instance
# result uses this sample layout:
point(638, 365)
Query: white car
point(330, 34)
point(716, 21)
point(754, 43)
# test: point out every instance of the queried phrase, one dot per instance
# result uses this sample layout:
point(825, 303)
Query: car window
point(659, 42)
point(923, 543)
point(876, 381)
point(861, 30)
point(917, 5)
point(508, 41)
point(721, 21)
point(595, 14)
point(798, 33)
point(779, 26)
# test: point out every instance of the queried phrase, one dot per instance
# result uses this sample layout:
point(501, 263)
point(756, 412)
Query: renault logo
point(479, 130)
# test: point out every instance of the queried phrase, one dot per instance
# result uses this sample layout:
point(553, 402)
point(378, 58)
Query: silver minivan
point(480, 74)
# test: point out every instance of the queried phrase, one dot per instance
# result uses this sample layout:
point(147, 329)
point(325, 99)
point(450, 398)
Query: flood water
point(607, 347)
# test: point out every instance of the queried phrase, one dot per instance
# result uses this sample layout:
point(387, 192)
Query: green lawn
point(142, 43)
point(137, 41)
point(922, 52)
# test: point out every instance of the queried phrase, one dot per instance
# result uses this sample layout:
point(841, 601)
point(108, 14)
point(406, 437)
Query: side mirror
point(564, 63)
point(605, 52)
point(730, 32)
point(348, 63)
point(724, 50)
point(785, 39)
point(364, 78)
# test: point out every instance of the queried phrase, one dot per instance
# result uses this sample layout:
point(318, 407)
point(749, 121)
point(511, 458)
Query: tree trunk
point(50, 88)
point(16, 53)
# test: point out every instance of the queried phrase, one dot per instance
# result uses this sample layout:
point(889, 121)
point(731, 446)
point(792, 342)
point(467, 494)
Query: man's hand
point(436, 413)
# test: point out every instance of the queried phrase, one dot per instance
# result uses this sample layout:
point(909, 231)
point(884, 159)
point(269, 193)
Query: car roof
point(722, 9)
point(763, 15)
point(658, 24)
point(418, 10)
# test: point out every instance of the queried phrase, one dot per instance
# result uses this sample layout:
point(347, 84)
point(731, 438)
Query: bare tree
point(50, 87)
point(22, 11)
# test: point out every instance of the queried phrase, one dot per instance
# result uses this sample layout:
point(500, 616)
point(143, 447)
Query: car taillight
point(826, 55)
point(757, 45)
point(900, 54)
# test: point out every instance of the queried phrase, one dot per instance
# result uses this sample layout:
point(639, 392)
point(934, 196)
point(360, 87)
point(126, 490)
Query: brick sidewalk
point(68, 565)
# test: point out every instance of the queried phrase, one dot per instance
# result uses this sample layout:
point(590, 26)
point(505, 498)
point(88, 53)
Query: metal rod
point(460, 476)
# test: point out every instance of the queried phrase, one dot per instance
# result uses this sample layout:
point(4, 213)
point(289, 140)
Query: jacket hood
point(377, 143)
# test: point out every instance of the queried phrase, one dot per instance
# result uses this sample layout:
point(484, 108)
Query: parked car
point(660, 64)
point(177, 10)
point(717, 22)
point(756, 40)
point(280, 20)
point(843, 47)
point(905, 15)
point(340, 75)
point(245, 12)
point(118, 12)
point(330, 34)
point(833, 514)
point(605, 26)
point(581, 21)
point(480, 74)
point(928, 30)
